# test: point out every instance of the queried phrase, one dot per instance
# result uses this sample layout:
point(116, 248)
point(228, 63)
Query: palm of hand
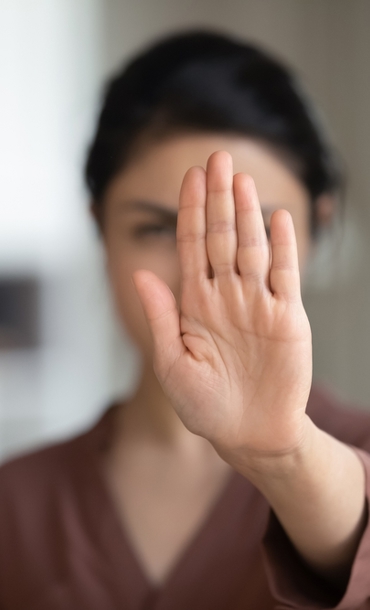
point(235, 358)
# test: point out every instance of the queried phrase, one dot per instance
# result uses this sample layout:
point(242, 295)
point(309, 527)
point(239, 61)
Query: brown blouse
point(62, 546)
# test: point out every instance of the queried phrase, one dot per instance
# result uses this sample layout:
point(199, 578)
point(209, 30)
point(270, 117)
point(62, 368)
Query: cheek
point(300, 212)
point(303, 254)
point(303, 236)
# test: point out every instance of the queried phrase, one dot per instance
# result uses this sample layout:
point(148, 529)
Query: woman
point(220, 483)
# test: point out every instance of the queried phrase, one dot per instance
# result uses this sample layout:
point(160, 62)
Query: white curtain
point(50, 78)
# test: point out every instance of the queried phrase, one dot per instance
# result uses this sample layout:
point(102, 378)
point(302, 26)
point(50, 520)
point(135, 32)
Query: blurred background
point(62, 356)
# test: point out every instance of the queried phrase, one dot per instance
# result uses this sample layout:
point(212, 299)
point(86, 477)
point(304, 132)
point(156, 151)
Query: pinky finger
point(284, 273)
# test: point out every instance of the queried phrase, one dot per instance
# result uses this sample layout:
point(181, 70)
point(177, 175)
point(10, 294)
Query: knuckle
point(252, 242)
point(284, 266)
point(189, 237)
point(220, 226)
point(252, 276)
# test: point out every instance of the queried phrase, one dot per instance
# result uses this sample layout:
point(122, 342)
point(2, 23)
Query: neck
point(148, 430)
point(149, 416)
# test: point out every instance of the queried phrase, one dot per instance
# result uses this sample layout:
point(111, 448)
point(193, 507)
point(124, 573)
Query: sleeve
point(296, 587)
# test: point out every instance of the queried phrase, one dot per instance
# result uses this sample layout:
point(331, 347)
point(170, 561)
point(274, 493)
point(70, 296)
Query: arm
point(319, 498)
point(234, 357)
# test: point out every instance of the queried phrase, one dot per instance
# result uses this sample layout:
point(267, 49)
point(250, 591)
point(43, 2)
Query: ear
point(93, 210)
point(326, 207)
point(96, 213)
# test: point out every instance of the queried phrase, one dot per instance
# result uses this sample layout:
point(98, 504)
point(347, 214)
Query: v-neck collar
point(131, 583)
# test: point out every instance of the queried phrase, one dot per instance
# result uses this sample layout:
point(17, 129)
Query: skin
point(223, 322)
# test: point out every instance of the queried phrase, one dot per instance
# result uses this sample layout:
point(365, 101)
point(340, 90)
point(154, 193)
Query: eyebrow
point(151, 207)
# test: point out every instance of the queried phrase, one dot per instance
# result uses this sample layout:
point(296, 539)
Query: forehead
point(156, 172)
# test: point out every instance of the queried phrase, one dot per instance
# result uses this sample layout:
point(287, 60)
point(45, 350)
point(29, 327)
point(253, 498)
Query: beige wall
point(328, 43)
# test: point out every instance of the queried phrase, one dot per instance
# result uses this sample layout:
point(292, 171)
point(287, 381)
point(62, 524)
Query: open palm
point(234, 356)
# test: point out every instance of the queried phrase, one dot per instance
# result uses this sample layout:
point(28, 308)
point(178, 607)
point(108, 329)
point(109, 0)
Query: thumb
point(161, 312)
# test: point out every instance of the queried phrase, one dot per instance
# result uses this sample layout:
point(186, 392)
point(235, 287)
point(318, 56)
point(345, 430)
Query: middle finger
point(220, 214)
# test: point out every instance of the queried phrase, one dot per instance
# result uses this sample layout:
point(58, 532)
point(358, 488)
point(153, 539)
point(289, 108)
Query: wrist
point(263, 467)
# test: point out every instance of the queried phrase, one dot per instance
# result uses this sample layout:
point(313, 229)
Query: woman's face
point(140, 209)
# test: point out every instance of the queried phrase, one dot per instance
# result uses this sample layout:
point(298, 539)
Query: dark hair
point(206, 82)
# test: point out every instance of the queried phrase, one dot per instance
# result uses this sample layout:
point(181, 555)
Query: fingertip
point(220, 171)
point(282, 227)
point(244, 184)
point(140, 277)
point(220, 156)
point(245, 179)
point(154, 294)
point(283, 215)
point(194, 184)
point(148, 287)
point(195, 172)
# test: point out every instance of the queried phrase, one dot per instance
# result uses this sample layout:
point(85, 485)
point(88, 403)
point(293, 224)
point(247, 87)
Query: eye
point(154, 230)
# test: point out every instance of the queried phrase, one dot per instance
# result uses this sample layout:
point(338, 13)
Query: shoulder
point(34, 476)
point(38, 464)
point(29, 483)
point(344, 421)
point(45, 506)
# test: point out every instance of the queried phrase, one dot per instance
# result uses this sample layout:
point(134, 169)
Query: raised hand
point(234, 355)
